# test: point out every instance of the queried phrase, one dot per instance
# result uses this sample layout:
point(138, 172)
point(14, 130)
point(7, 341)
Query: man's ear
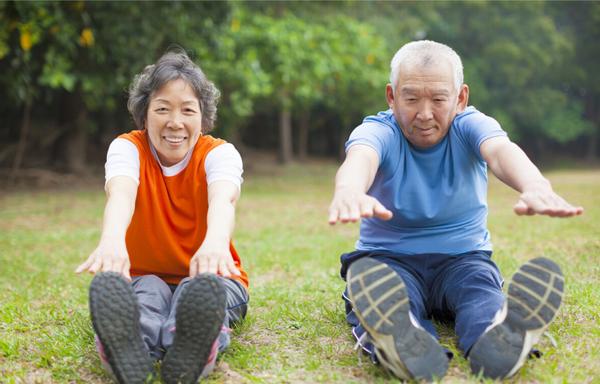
point(389, 95)
point(463, 98)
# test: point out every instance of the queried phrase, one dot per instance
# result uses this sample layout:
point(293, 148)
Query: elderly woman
point(169, 283)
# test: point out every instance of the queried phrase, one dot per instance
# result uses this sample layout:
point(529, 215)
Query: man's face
point(425, 102)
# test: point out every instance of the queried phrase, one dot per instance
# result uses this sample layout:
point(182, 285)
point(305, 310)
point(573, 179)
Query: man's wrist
point(537, 185)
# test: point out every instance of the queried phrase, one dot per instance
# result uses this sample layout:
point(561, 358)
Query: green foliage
point(566, 124)
point(285, 61)
point(531, 65)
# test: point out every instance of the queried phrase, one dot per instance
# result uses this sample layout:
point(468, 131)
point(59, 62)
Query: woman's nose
point(175, 121)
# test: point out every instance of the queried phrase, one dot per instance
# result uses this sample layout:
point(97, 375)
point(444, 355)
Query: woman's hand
point(108, 256)
point(213, 257)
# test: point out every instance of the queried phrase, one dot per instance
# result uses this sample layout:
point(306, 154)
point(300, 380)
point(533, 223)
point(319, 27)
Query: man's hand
point(108, 256)
point(350, 201)
point(350, 206)
point(512, 166)
point(540, 199)
point(213, 258)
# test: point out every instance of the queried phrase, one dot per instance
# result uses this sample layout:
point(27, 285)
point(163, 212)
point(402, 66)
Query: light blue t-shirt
point(438, 195)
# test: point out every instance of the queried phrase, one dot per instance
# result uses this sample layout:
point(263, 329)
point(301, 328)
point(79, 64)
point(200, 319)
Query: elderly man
point(416, 175)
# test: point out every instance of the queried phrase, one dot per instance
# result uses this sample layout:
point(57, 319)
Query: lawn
point(295, 330)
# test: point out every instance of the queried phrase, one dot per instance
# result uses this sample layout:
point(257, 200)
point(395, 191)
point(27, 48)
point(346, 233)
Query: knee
point(151, 283)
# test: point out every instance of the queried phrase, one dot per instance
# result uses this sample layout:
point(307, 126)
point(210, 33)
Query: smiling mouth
point(174, 139)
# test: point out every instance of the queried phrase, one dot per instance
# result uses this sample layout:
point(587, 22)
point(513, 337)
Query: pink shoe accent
point(102, 354)
point(212, 359)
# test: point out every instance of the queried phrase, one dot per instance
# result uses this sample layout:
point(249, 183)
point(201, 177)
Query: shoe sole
point(116, 321)
point(198, 320)
point(380, 300)
point(534, 296)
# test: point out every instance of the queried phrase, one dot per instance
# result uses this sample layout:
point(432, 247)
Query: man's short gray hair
point(424, 52)
point(173, 65)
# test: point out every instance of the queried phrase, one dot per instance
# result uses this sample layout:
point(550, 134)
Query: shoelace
point(359, 346)
point(551, 338)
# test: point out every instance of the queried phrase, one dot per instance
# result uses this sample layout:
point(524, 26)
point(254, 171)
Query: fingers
point(85, 265)
point(333, 215)
point(125, 272)
point(213, 263)
point(549, 204)
point(521, 208)
point(198, 264)
point(351, 209)
point(194, 266)
point(223, 269)
point(107, 258)
point(382, 212)
point(232, 267)
point(217, 263)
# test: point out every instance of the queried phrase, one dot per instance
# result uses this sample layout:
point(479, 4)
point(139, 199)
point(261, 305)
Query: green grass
point(295, 329)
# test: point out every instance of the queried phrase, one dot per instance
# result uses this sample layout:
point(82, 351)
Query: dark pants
point(464, 288)
point(157, 306)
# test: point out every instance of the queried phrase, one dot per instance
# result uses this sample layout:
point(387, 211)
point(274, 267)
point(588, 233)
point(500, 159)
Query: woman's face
point(174, 121)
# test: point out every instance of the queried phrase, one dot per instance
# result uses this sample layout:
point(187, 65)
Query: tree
point(77, 58)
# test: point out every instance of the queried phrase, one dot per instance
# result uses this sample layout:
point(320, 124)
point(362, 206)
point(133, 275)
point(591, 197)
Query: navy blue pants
point(464, 288)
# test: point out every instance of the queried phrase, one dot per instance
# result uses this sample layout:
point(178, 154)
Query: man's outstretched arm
point(353, 180)
point(512, 166)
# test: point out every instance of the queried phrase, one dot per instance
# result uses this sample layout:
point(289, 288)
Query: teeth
point(173, 139)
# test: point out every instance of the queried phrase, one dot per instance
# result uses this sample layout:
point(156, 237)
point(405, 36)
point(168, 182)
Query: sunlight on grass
point(295, 330)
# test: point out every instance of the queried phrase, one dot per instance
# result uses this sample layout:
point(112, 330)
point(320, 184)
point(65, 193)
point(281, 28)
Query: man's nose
point(425, 111)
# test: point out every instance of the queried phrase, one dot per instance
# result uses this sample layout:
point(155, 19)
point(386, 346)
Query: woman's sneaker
point(199, 316)
point(534, 296)
point(116, 320)
point(380, 300)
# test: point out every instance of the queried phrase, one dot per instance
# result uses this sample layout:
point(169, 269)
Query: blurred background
point(295, 77)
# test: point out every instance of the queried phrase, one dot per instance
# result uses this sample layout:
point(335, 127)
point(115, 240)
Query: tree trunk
point(77, 144)
point(592, 147)
point(72, 145)
point(303, 127)
point(285, 135)
point(593, 114)
point(25, 125)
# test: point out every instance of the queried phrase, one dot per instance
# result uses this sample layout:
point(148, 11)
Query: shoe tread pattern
point(115, 318)
point(534, 296)
point(198, 320)
point(381, 303)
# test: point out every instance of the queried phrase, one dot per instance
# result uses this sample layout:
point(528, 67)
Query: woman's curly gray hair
point(172, 65)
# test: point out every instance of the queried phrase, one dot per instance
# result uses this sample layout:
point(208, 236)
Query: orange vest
point(169, 222)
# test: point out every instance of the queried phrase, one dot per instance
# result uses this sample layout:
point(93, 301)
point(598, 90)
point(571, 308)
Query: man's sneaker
point(534, 296)
point(116, 320)
point(200, 313)
point(380, 300)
